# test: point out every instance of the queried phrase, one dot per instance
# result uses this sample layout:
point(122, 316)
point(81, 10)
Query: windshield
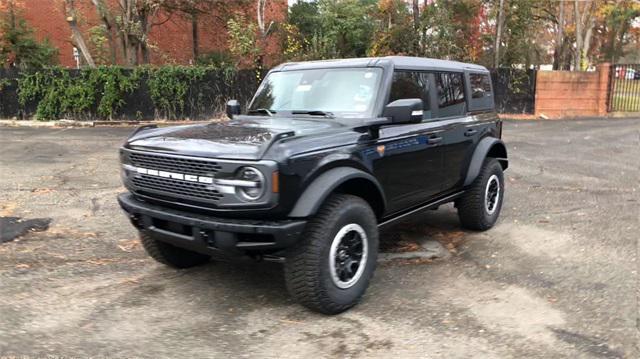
point(339, 92)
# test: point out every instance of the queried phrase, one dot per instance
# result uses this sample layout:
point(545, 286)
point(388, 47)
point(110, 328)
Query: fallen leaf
point(42, 190)
point(128, 245)
point(8, 209)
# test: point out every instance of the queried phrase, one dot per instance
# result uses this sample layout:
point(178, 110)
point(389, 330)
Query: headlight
point(254, 180)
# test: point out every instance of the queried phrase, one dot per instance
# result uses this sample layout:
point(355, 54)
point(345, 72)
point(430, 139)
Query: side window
point(451, 101)
point(480, 85)
point(408, 84)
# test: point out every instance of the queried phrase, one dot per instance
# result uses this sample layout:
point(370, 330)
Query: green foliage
point(347, 25)
point(395, 33)
point(61, 93)
point(330, 28)
point(100, 44)
point(170, 85)
point(616, 26)
point(18, 45)
point(242, 38)
point(305, 17)
point(217, 60)
point(177, 92)
point(4, 83)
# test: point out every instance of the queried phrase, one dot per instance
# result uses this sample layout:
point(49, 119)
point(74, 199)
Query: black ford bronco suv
point(326, 153)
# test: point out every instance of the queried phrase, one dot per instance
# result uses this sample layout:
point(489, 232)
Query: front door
point(409, 164)
point(409, 159)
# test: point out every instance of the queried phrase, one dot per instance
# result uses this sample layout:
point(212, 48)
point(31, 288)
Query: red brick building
point(170, 41)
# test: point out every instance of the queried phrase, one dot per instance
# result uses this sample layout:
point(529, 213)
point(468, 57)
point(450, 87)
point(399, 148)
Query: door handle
point(470, 132)
point(434, 140)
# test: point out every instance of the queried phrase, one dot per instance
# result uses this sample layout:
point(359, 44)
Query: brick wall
point(170, 42)
point(562, 94)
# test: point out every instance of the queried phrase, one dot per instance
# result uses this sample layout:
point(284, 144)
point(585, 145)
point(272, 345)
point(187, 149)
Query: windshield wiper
point(262, 110)
point(314, 113)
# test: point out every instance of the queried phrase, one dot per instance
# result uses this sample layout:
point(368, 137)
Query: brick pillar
point(603, 87)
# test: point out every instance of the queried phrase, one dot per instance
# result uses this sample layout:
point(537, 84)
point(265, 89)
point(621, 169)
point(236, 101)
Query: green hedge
point(167, 92)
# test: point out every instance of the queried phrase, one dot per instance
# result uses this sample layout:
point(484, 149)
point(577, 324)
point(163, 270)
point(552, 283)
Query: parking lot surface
point(556, 278)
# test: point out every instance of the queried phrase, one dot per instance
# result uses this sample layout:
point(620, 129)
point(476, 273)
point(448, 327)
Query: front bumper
point(207, 234)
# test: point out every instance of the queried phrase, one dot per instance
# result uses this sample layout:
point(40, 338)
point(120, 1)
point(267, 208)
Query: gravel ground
point(557, 277)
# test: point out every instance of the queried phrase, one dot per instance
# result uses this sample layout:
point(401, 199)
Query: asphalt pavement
point(556, 278)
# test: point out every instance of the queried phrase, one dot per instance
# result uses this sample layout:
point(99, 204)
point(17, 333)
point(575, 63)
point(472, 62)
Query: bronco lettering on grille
point(173, 175)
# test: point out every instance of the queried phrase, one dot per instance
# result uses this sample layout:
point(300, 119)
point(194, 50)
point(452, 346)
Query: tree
point(193, 10)
point(396, 31)
point(347, 24)
point(585, 22)
point(78, 38)
point(18, 46)
point(497, 43)
point(614, 27)
point(131, 21)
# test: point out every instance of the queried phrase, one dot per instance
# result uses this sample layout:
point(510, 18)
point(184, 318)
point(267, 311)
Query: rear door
point(460, 130)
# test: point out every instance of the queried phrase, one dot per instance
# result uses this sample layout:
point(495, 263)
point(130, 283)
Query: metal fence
point(514, 92)
point(624, 88)
point(514, 89)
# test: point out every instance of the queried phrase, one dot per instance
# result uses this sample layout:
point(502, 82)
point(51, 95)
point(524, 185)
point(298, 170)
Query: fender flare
point(321, 187)
point(482, 149)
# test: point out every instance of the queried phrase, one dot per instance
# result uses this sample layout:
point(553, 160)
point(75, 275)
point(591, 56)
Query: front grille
point(176, 187)
point(174, 164)
point(171, 188)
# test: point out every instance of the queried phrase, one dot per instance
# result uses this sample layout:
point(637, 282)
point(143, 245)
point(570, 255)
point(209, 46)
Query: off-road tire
point(170, 255)
point(307, 264)
point(472, 210)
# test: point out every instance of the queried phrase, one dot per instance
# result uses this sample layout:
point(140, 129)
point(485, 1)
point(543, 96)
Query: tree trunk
point(194, 37)
point(106, 18)
point(70, 11)
point(496, 46)
point(416, 14)
point(416, 26)
point(146, 56)
point(558, 57)
point(578, 58)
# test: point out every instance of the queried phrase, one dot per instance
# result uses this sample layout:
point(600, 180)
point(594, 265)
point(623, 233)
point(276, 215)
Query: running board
point(420, 208)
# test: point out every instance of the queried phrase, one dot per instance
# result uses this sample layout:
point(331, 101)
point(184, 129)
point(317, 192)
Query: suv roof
point(398, 62)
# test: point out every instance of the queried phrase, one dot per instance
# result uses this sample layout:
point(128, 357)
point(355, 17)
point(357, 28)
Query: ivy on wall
point(108, 92)
point(62, 93)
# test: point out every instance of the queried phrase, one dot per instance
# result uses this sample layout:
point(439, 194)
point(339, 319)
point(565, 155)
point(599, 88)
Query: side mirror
point(404, 111)
point(233, 108)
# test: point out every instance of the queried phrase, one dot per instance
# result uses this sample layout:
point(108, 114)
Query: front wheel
point(329, 269)
point(479, 208)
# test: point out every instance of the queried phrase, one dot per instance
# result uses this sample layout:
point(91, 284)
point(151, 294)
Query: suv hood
point(245, 137)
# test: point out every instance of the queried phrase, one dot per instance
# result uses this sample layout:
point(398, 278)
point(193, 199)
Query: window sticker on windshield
point(368, 75)
point(364, 94)
point(303, 88)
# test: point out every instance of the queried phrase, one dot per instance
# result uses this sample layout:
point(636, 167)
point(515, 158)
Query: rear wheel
point(479, 208)
point(170, 255)
point(329, 269)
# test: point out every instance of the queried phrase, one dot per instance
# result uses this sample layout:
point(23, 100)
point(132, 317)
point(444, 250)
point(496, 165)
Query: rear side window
point(480, 91)
point(410, 84)
point(450, 87)
point(480, 85)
